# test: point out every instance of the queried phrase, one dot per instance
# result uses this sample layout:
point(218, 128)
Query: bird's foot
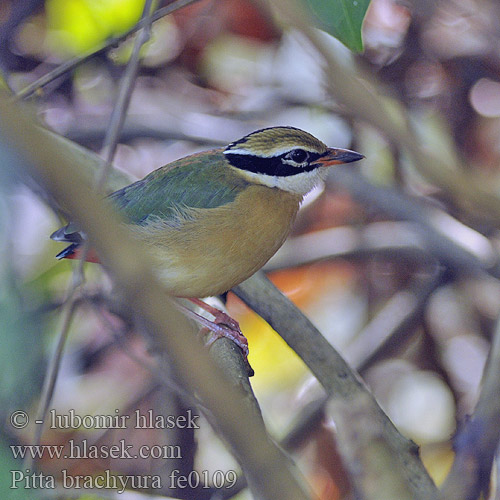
point(226, 326)
point(222, 325)
point(223, 331)
point(220, 317)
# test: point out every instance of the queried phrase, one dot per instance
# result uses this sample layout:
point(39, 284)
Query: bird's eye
point(297, 156)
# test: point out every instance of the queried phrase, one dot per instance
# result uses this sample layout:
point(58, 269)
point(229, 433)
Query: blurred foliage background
point(212, 72)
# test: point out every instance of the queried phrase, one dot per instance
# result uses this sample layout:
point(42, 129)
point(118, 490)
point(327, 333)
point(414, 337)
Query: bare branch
point(124, 94)
point(377, 474)
point(393, 240)
point(477, 441)
point(52, 372)
point(77, 61)
point(267, 470)
point(434, 233)
point(393, 324)
point(333, 373)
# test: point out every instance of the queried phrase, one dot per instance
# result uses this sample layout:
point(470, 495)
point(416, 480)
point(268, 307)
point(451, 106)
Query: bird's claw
point(222, 325)
point(221, 318)
point(224, 330)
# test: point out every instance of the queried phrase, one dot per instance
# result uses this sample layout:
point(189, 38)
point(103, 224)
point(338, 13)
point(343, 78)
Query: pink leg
point(222, 326)
point(221, 318)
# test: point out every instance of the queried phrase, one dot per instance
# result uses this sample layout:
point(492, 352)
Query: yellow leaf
point(78, 26)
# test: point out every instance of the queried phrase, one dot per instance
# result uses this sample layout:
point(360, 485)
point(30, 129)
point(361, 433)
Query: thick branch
point(477, 442)
point(334, 374)
point(366, 453)
point(267, 470)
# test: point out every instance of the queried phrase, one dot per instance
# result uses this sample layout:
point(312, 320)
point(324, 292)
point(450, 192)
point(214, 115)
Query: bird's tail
point(70, 234)
point(68, 252)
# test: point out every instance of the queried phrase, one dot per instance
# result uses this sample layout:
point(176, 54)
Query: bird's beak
point(336, 156)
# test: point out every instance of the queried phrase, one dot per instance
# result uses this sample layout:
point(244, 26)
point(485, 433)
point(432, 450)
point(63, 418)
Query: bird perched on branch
point(212, 219)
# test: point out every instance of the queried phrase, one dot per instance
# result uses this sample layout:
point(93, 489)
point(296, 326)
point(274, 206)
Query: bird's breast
point(208, 251)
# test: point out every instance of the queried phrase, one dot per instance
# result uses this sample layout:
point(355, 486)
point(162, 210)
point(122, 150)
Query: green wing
point(202, 180)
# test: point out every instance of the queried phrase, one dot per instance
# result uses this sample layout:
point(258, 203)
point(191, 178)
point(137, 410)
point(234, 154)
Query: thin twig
point(118, 115)
point(89, 130)
point(436, 236)
point(392, 325)
point(393, 240)
point(52, 372)
point(77, 61)
point(124, 94)
point(154, 371)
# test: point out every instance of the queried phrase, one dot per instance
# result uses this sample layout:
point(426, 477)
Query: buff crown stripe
point(277, 152)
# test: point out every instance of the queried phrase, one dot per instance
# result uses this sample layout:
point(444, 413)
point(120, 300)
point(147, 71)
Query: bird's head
point(286, 158)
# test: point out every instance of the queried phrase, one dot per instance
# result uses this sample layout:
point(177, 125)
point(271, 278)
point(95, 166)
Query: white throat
point(299, 184)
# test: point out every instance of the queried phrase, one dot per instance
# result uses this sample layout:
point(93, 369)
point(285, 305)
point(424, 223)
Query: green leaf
point(341, 18)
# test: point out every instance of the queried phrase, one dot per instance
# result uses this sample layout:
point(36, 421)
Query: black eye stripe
point(269, 166)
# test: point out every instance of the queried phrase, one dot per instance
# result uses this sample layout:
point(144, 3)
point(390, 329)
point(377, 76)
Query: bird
point(212, 219)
